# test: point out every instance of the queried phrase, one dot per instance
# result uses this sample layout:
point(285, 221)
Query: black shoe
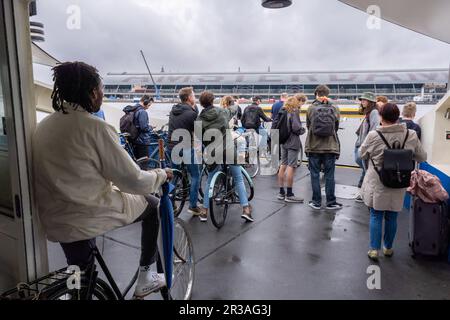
point(335, 206)
point(314, 205)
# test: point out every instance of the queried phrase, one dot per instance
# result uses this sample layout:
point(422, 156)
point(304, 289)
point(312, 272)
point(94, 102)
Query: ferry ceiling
point(430, 18)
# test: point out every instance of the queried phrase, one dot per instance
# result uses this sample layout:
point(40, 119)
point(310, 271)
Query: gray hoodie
point(367, 126)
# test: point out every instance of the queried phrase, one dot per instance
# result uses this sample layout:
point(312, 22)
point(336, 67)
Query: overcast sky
point(222, 35)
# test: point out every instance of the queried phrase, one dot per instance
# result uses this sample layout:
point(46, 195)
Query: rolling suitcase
point(429, 228)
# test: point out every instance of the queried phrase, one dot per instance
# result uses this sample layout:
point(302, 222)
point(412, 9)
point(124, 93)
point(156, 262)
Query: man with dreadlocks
point(86, 183)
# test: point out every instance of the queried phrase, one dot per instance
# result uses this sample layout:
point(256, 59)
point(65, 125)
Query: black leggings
point(80, 253)
point(140, 151)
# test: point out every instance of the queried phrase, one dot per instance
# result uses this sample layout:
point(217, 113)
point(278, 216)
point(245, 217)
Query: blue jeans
point(315, 162)
point(239, 185)
point(193, 171)
point(362, 165)
point(376, 228)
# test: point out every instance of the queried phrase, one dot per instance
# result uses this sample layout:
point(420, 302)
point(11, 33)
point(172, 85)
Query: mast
point(157, 95)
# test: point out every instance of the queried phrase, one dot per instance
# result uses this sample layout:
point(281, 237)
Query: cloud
point(222, 35)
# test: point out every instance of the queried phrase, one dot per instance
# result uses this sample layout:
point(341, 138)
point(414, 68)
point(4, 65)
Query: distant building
point(397, 85)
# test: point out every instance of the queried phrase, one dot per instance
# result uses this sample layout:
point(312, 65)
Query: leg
point(390, 228)
point(194, 174)
point(239, 184)
point(140, 151)
point(290, 177)
point(314, 168)
point(360, 163)
point(376, 226)
point(79, 253)
point(149, 234)
point(281, 175)
point(208, 184)
point(330, 165)
point(292, 160)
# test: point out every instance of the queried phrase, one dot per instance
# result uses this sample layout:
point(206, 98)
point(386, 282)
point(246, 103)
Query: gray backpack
point(324, 121)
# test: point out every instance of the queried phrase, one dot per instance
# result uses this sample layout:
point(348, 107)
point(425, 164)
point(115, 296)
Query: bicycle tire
point(249, 185)
point(218, 200)
point(203, 181)
point(102, 291)
point(184, 262)
point(179, 194)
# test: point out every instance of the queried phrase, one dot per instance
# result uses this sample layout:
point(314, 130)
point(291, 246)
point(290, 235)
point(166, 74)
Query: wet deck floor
point(289, 252)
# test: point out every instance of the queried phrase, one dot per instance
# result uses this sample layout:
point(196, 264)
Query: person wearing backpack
point(322, 147)
point(390, 150)
point(136, 123)
point(289, 121)
point(369, 123)
point(253, 114)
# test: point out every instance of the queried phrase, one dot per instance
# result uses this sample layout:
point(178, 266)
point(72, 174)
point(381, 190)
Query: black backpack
point(127, 125)
point(397, 166)
point(251, 118)
point(282, 126)
point(324, 121)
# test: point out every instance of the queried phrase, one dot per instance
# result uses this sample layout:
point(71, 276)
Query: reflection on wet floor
point(289, 252)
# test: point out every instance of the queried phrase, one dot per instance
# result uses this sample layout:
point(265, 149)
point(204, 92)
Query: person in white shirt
point(86, 183)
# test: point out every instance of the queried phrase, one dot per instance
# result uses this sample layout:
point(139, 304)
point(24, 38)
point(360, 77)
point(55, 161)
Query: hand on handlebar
point(169, 173)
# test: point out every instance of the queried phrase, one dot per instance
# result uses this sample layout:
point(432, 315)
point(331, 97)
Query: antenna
point(151, 76)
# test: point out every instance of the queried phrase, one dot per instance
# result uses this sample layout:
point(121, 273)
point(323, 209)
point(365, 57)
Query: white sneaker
point(148, 282)
point(359, 198)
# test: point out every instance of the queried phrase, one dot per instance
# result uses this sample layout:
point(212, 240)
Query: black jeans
point(80, 253)
point(140, 151)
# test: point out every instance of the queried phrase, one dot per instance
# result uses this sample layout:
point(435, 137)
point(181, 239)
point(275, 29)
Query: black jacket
point(251, 119)
point(182, 116)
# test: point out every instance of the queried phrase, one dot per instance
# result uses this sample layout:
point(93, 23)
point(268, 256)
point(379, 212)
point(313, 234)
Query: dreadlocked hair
point(74, 82)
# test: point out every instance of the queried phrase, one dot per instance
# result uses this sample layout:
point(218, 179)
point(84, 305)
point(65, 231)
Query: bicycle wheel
point(203, 180)
point(102, 291)
point(249, 186)
point(218, 200)
point(183, 263)
point(252, 169)
point(179, 194)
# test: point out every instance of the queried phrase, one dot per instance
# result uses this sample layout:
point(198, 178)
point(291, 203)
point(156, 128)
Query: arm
point(338, 118)
point(263, 116)
point(243, 119)
point(143, 122)
point(367, 146)
point(374, 120)
point(308, 117)
point(296, 124)
point(117, 166)
point(420, 154)
point(239, 113)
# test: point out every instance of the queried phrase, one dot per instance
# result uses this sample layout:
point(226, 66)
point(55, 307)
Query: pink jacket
point(427, 187)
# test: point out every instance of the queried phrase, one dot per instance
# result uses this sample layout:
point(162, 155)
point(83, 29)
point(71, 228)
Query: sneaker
point(247, 214)
point(314, 205)
point(334, 206)
point(294, 199)
point(373, 255)
point(195, 211)
point(203, 216)
point(148, 282)
point(281, 196)
point(359, 198)
point(388, 252)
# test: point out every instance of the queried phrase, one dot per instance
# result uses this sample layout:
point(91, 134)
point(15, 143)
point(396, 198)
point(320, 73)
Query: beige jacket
point(86, 183)
point(374, 193)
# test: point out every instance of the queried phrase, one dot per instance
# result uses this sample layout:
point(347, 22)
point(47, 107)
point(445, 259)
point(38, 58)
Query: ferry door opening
point(23, 255)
